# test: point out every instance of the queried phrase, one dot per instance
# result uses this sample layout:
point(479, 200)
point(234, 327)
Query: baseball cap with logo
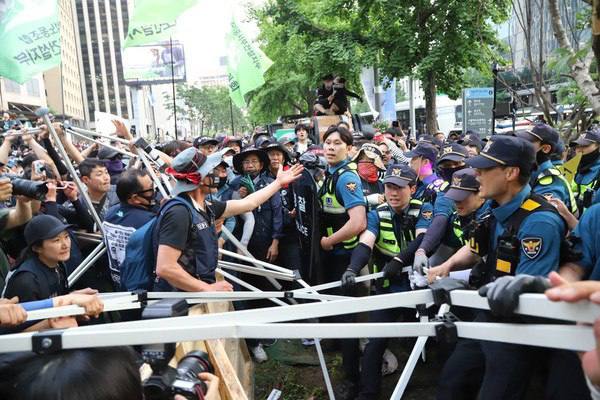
point(504, 151)
point(542, 132)
point(589, 137)
point(453, 152)
point(400, 175)
point(423, 150)
point(464, 183)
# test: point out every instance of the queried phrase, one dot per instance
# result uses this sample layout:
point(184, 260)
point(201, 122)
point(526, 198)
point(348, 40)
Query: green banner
point(246, 65)
point(154, 20)
point(30, 38)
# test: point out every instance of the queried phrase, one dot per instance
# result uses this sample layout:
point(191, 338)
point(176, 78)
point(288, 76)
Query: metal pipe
point(125, 152)
point(43, 112)
point(78, 273)
point(92, 133)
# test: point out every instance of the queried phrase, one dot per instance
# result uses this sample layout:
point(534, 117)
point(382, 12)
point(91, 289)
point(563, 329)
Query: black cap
point(42, 227)
point(542, 132)
point(426, 150)
point(464, 183)
point(106, 153)
point(589, 137)
point(281, 148)
point(453, 152)
point(400, 175)
point(204, 140)
point(472, 139)
point(504, 151)
point(264, 140)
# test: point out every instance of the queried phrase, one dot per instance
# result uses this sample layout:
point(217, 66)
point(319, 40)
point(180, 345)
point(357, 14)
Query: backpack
point(138, 269)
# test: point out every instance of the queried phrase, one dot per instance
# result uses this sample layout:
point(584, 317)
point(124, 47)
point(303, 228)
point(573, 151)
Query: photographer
point(105, 373)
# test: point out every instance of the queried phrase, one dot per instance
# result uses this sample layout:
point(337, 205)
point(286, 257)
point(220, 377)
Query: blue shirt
point(556, 187)
point(348, 190)
point(373, 219)
point(588, 231)
point(443, 205)
point(545, 226)
point(589, 175)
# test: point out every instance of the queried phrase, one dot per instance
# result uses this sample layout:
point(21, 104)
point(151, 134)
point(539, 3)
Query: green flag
point(154, 20)
point(30, 38)
point(246, 65)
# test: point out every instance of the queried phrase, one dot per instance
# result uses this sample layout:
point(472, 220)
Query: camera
point(140, 143)
point(166, 381)
point(24, 187)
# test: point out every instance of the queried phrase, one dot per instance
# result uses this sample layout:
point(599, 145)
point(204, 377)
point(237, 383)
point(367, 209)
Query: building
point(63, 84)
point(101, 25)
point(22, 99)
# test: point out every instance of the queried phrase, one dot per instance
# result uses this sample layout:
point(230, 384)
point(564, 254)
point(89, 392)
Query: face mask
point(215, 181)
point(114, 166)
point(446, 173)
point(426, 170)
point(368, 171)
point(150, 199)
point(541, 157)
point(588, 159)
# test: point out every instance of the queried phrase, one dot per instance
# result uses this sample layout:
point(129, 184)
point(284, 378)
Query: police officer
point(344, 218)
point(586, 180)
point(546, 179)
point(472, 142)
point(422, 161)
point(452, 159)
point(392, 229)
point(464, 191)
point(522, 234)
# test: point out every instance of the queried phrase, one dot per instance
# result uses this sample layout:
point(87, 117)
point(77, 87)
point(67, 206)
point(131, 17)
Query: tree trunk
point(596, 33)
point(430, 104)
point(580, 70)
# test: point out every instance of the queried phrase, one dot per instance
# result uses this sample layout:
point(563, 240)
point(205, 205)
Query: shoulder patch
point(532, 246)
point(351, 186)
point(427, 215)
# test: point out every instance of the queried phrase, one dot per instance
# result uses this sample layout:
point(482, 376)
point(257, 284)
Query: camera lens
point(192, 364)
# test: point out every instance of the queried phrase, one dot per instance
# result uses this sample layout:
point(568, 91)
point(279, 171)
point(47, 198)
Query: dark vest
point(51, 282)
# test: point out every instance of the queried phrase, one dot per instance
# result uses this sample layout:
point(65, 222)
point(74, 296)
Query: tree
point(208, 109)
point(301, 53)
point(433, 41)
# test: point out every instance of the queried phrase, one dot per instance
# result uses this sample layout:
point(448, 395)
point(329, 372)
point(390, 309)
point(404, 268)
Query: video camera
point(165, 381)
point(25, 187)
point(140, 143)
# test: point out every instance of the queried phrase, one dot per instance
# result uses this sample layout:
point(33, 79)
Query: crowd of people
point(331, 207)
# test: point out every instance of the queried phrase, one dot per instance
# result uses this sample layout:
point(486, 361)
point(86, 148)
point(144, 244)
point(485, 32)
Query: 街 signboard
point(30, 37)
point(151, 64)
point(477, 110)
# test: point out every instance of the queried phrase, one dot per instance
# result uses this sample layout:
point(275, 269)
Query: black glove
point(348, 279)
point(441, 289)
point(393, 268)
point(503, 294)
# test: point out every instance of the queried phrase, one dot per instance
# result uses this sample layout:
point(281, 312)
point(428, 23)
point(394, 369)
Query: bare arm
point(462, 259)
point(70, 148)
point(571, 272)
point(169, 269)
point(368, 238)
point(86, 152)
point(5, 149)
point(252, 201)
point(19, 215)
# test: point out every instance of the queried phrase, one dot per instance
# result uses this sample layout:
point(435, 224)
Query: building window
point(12, 87)
point(33, 88)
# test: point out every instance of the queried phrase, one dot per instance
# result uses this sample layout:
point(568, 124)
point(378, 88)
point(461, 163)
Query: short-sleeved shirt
point(175, 225)
point(349, 188)
point(543, 227)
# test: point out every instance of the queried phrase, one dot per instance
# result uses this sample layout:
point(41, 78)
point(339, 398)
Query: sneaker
point(308, 342)
point(259, 354)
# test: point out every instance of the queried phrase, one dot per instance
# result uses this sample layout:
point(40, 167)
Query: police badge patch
point(351, 186)
point(532, 246)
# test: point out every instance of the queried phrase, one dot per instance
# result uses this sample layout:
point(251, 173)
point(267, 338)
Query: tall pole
point(377, 89)
point(231, 114)
point(495, 72)
point(173, 87)
point(411, 108)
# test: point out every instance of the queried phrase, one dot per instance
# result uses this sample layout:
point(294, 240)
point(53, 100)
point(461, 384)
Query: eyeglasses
point(251, 162)
point(144, 191)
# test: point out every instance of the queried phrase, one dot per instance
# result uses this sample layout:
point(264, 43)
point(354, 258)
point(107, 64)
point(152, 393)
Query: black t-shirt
point(174, 226)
